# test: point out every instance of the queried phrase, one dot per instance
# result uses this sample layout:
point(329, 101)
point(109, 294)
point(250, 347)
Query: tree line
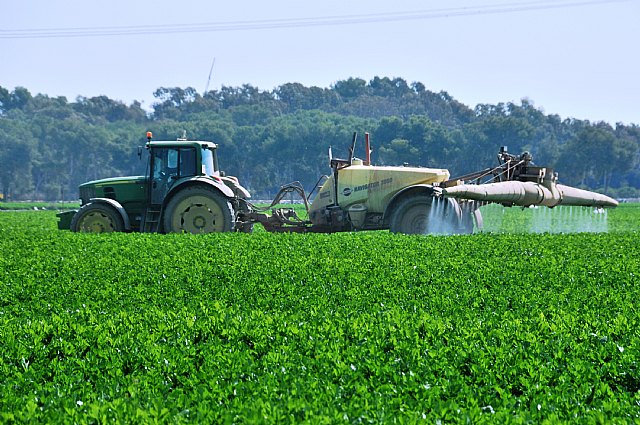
point(48, 145)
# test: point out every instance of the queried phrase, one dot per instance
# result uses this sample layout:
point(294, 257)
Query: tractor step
point(151, 221)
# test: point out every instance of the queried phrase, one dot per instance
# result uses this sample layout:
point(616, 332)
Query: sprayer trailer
point(184, 190)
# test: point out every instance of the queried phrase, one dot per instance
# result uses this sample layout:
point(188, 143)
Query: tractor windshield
point(208, 163)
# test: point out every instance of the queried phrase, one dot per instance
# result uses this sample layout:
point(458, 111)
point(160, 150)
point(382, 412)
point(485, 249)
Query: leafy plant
point(354, 327)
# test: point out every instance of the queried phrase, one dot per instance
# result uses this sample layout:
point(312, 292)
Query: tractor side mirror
point(140, 152)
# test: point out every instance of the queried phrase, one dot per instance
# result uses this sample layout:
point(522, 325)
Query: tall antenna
point(206, 88)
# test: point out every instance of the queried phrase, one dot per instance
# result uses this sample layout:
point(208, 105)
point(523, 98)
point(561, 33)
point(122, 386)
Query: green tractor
point(183, 191)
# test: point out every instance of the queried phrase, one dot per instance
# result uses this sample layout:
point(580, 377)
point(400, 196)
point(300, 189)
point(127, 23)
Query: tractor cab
point(172, 162)
point(177, 168)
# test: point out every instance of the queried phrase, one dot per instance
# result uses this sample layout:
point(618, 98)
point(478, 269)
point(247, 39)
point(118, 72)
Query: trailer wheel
point(469, 220)
point(96, 217)
point(466, 226)
point(243, 224)
point(198, 209)
point(422, 214)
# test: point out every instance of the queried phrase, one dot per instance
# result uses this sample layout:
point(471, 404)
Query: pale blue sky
point(573, 58)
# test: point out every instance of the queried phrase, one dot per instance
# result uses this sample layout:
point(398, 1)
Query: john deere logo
point(346, 191)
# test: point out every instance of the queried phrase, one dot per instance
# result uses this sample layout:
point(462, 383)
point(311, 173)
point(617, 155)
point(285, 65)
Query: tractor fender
point(198, 181)
point(219, 185)
point(233, 184)
point(426, 189)
point(115, 205)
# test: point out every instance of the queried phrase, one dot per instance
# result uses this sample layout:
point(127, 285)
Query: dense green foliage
point(50, 145)
point(356, 327)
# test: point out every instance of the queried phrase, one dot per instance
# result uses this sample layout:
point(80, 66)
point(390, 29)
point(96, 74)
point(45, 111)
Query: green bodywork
point(130, 192)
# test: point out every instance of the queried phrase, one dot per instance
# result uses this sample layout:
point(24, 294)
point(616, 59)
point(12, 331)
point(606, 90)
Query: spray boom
point(517, 181)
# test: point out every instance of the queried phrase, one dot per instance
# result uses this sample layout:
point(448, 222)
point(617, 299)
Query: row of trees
point(50, 145)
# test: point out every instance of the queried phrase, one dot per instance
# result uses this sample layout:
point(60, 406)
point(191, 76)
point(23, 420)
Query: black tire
point(466, 226)
point(245, 226)
point(97, 217)
point(198, 209)
point(423, 214)
point(467, 223)
point(471, 217)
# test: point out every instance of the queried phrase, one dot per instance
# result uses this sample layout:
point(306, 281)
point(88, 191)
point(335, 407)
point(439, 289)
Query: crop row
point(358, 327)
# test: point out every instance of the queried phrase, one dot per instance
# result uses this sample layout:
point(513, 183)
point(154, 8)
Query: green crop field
point(40, 205)
point(371, 327)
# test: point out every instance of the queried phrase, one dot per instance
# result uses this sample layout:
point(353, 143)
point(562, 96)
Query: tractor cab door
point(167, 166)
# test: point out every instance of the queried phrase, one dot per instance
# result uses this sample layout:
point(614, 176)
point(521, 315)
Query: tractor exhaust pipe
point(367, 147)
point(528, 193)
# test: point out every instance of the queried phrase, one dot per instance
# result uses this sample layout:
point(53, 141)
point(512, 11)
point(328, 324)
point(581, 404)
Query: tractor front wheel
point(97, 218)
point(198, 209)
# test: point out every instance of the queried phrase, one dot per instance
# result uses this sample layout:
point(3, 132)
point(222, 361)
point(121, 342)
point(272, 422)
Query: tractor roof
point(181, 143)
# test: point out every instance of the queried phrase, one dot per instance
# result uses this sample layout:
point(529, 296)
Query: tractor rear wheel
point(423, 214)
point(97, 218)
point(198, 209)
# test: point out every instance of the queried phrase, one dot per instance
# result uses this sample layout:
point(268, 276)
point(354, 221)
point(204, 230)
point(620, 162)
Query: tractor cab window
point(208, 162)
point(173, 163)
point(172, 159)
point(159, 163)
point(187, 158)
point(168, 165)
